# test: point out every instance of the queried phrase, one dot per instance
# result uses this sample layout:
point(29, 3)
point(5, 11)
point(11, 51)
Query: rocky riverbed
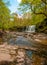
point(12, 54)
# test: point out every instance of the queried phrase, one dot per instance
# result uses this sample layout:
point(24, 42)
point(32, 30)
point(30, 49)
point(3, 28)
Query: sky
point(14, 4)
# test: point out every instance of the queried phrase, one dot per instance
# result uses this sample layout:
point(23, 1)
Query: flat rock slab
point(7, 52)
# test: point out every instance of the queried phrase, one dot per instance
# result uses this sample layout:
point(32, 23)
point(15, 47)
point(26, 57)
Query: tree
point(38, 9)
point(4, 15)
point(42, 27)
point(36, 6)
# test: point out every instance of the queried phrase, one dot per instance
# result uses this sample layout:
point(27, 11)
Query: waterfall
point(30, 28)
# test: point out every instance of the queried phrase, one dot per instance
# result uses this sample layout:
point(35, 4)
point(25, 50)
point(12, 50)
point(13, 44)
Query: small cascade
point(30, 28)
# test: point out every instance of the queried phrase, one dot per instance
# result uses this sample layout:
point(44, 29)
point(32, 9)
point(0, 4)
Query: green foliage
point(37, 8)
point(34, 12)
point(4, 15)
point(37, 18)
point(42, 26)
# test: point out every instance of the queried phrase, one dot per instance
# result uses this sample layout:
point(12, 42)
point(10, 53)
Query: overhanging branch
point(44, 1)
point(40, 13)
point(33, 10)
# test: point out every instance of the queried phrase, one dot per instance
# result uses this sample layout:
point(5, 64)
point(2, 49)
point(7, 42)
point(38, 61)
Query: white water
point(30, 28)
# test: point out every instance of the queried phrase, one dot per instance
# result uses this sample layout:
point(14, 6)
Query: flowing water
point(20, 40)
point(30, 28)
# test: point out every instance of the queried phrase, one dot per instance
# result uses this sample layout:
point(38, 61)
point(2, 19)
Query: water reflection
point(21, 41)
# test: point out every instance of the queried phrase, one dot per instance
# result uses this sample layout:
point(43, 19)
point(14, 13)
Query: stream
point(30, 40)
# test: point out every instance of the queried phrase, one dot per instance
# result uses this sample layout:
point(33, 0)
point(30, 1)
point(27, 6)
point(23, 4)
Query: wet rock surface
point(11, 54)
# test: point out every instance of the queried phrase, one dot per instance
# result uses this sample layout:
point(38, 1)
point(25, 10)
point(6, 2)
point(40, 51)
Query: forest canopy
point(33, 12)
point(38, 9)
